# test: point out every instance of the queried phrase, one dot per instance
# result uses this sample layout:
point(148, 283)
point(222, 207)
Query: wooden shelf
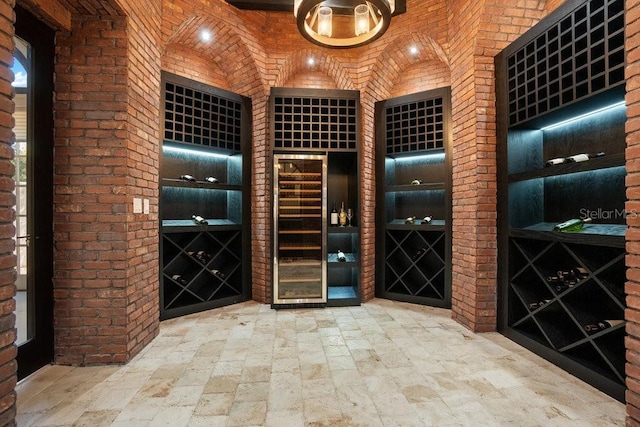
point(422, 187)
point(170, 182)
point(614, 160)
point(434, 225)
point(592, 234)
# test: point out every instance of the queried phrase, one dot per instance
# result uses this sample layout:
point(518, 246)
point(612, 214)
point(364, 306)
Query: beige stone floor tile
point(214, 404)
point(247, 414)
point(289, 418)
point(380, 364)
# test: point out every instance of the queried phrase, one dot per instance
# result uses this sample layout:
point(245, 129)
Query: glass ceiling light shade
point(343, 23)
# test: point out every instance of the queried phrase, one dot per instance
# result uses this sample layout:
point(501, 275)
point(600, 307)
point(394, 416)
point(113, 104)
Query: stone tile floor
point(384, 363)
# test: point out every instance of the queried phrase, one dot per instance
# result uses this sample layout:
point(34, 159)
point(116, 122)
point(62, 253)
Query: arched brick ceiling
point(329, 65)
point(92, 7)
point(226, 49)
point(396, 57)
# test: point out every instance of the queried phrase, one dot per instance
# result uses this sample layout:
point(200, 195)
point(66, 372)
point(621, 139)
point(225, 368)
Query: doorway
point(33, 161)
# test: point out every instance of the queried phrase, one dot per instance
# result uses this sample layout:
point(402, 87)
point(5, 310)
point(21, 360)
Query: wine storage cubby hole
point(321, 122)
point(204, 171)
point(560, 92)
point(413, 170)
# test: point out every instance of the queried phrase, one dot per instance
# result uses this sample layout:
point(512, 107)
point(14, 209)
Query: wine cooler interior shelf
point(561, 157)
point(300, 254)
point(204, 204)
point(414, 187)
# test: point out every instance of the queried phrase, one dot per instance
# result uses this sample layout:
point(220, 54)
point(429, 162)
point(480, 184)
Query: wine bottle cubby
point(414, 189)
point(560, 93)
point(313, 125)
point(204, 174)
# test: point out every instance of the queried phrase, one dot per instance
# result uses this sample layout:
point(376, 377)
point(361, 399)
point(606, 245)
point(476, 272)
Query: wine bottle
point(212, 179)
point(410, 220)
point(178, 278)
point(538, 304)
point(199, 220)
point(334, 215)
point(556, 161)
point(341, 256)
point(343, 216)
point(426, 220)
point(592, 328)
point(187, 178)
point(201, 256)
point(218, 273)
point(418, 253)
point(583, 157)
point(575, 224)
point(416, 182)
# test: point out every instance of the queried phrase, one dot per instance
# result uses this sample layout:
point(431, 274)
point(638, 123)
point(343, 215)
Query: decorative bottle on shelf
point(341, 256)
point(556, 161)
point(343, 216)
point(218, 273)
point(583, 157)
point(178, 278)
point(575, 224)
point(334, 215)
point(199, 220)
point(426, 220)
point(212, 179)
point(601, 325)
point(410, 220)
point(187, 178)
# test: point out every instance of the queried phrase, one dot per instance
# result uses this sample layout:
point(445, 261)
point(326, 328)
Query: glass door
point(300, 190)
point(33, 162)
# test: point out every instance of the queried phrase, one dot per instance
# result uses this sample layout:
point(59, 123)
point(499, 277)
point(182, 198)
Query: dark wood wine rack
point(414, 179)
point(560, 92)
point(205, 135)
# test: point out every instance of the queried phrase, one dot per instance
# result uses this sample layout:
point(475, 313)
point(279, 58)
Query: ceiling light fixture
point(343, 23)
point(205, 36)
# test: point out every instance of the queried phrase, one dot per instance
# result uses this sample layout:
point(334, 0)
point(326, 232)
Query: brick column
point(632, 286)
point(8, 349)
point(106, 153)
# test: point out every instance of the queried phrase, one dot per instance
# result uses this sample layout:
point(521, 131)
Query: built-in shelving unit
point(205, 135)
point(414, 180)
point(560, 92)
point(308, 123)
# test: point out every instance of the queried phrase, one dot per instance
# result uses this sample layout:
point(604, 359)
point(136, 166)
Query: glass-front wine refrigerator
point(299, 213)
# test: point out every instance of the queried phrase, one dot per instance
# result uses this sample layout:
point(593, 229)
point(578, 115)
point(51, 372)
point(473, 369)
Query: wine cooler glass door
point(299, 229)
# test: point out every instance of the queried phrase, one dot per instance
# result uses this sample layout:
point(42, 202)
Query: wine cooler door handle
point(28, 237)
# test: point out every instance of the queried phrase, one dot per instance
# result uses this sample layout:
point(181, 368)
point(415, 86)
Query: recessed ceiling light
point(413, 50)
point(205, 36)
point(311, 61)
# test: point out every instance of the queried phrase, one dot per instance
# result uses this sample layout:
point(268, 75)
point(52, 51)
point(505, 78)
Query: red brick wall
point(632, 286)
point(90, 192)
point(106, 153)
point(476, 36)
point(7, 230)
point(143, 136)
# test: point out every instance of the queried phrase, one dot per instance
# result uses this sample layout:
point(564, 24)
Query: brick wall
point(632, 287)
point(90, 192)
point(7, 231)
point(142, 163)
point(476, 36)
point(106, 153)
